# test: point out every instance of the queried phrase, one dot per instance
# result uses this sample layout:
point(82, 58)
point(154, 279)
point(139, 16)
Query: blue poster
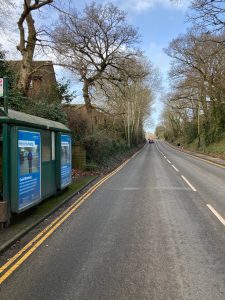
point(29, 168)
point(66, 164)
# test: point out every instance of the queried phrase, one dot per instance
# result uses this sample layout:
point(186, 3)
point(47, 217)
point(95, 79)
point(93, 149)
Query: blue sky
point(158, 25)
point(159, 21)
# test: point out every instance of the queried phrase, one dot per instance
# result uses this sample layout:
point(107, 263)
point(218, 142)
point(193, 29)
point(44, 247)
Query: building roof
point(74, 107)
point(77, 106)
point(40, 68)
point(24, 119)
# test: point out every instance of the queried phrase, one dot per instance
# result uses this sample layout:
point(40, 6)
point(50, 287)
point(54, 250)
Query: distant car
point(151, 141)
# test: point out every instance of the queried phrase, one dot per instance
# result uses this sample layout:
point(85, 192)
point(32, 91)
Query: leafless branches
point(197, 81)
point(6, 8)
point(93, 41)
point(137, 91)
point(210, 14)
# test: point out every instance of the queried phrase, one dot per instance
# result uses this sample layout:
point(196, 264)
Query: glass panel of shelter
point(48, 145)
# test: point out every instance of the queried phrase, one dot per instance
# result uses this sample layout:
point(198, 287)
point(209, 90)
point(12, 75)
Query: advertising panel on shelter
point(29, 167)
point(66, 165)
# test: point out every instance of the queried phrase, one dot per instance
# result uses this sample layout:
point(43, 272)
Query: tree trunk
point(27, 46)
point(25, 70)
point(86, 96)
point(27, 52)
point(137, 126)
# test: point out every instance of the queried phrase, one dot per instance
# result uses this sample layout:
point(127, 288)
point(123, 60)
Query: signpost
point(1, 87)
point(5, 92)
point(4, 87)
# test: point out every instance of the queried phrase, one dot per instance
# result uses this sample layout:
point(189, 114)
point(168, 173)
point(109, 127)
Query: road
point(146, 233)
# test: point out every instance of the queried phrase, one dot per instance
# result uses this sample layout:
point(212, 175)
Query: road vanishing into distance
point(154, 230)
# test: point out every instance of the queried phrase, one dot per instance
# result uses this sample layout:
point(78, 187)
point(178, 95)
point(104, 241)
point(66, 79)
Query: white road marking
point(175, 168)
point(131, 189)
point(216, 214)
point(161, 152)
point(169, 161)
point(190, 185)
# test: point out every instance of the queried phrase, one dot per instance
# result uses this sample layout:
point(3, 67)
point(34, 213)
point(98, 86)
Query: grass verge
point(50, 203)
point(216, 149)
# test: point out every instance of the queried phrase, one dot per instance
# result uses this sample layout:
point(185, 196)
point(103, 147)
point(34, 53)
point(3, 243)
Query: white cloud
point(143, 5)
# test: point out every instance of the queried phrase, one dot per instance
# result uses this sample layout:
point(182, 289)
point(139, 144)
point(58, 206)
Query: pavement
point(154, 230)
point(23, 223)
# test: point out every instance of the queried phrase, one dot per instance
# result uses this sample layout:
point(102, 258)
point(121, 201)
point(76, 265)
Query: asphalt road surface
point(152, 231)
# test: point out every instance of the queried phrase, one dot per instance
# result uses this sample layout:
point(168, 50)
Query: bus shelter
point(35, 161)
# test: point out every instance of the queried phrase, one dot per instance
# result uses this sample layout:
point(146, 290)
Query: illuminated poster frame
point(29, 168)
point(66, 160)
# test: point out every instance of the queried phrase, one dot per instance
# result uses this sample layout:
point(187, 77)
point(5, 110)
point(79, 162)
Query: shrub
point(100, 146)
point(91, 166)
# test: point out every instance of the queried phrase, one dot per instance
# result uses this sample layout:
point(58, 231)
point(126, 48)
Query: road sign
point(1, 87)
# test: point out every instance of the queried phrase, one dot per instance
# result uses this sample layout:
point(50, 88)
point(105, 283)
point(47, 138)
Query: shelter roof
point(21, 118)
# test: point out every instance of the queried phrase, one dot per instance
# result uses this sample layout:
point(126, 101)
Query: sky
point(158, 21)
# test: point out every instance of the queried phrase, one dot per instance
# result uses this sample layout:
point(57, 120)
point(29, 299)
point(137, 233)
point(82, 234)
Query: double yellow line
point(8, 268)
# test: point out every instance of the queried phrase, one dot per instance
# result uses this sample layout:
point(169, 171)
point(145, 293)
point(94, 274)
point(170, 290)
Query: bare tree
point(27, 42)
point(129, 100)
point(209, 13)
point(197, 77)
point(91, 42)
point(6, 8)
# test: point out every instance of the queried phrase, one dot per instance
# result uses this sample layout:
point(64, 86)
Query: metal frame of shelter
point(54, 142)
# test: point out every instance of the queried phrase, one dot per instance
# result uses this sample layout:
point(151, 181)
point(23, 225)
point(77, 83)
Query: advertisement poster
point(29, 171)
point(66, 166)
